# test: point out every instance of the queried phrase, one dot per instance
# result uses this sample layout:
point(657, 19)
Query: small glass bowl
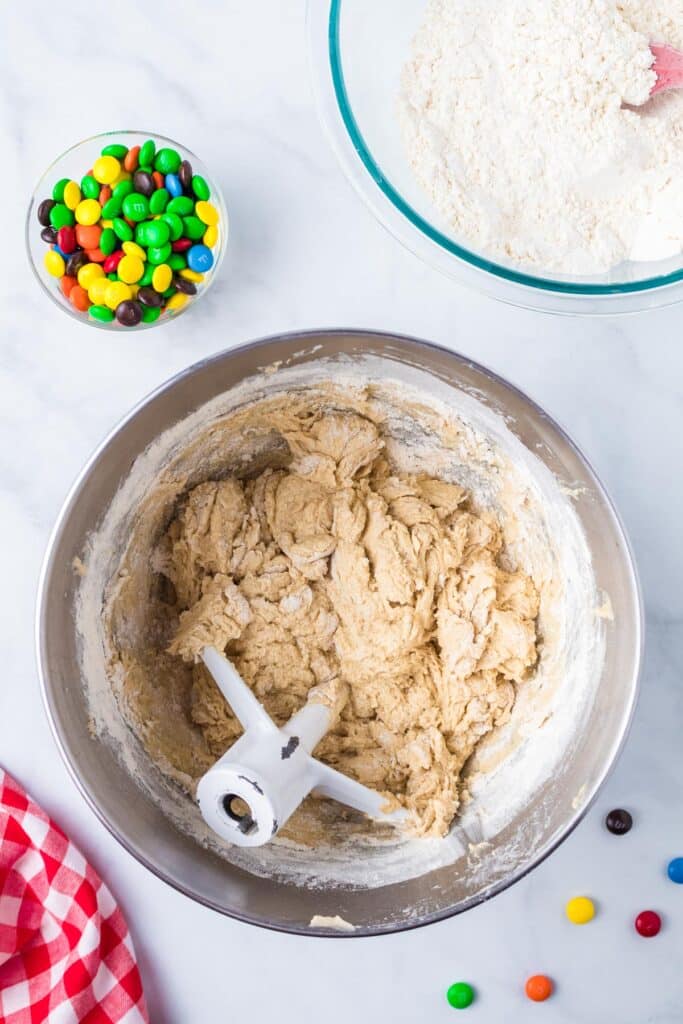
point(74, 163)
point(357, 51)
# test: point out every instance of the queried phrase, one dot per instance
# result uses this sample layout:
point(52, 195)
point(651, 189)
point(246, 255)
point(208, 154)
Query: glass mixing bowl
point(357, 50)
point(74, 163)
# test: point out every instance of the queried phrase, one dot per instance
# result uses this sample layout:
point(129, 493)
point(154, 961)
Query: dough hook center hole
point(239, 811)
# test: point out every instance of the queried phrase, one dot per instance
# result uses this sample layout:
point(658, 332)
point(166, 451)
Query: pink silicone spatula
point(668, 66)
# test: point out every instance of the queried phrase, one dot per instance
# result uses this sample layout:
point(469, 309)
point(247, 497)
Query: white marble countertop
point(230, 79)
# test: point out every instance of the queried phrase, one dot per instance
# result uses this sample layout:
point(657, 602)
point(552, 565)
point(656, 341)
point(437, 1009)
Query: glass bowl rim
point(77, 315)
point(432, 234)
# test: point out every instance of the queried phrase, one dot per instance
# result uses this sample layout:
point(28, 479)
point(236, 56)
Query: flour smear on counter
point(528, 124)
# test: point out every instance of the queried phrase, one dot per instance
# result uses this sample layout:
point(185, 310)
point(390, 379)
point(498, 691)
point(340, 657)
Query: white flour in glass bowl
point(527, 123)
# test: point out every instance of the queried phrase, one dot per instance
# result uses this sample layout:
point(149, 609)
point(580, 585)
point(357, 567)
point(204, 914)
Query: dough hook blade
point(249, 794)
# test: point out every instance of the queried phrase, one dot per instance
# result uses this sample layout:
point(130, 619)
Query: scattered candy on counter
point(619, 822)
point(460, 995)
point(580, 910)
point(134, 238)
point(648, 923)
point(538, 988)
point(675, 870)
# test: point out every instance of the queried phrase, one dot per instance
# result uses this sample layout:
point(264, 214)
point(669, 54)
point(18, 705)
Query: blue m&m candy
point(675, 870)
point(200, 258)
point(172, 183)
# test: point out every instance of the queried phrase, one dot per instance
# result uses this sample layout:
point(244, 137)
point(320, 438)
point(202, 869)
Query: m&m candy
point(648, 923)
point(675, 870)
point(580, 910)
point(460, 995)
point(538, 988)
point(619, 822)
point(131, 238)
point(200, 258)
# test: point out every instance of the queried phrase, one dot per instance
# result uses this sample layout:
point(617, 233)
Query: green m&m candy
point(150, 314)
point(135, 206)
point(141, 234)
point(167, 161)
point(177, 261)
point(58, 190)
point(102, 313)
point(175, 224)
point(123, 189)
point(123, 230)
point(193, 228)
point(157, 233)
point(61, 216)
point(182, 205)
point(158, 201)
point(115, 149)
point(146, 154)
point(112, 208)
point(460, 995)
point(90, 188)
point(200, 187)
point(159, 253)
point(147, 275)
point(108, 241)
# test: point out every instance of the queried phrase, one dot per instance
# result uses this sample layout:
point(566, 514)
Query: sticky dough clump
point(337, 569)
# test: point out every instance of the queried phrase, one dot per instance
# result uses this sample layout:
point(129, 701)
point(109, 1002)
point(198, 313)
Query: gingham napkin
point(66, 956)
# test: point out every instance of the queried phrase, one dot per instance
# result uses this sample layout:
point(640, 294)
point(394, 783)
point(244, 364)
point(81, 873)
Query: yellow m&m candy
point(88, 212)
point(116, 293)
point(72, 195)
point(131, 249)
point(162, 277)
point(130, 269)
point(206, 212)
point(176, 302)
point(580, 910)
point(54, 263)
point(97, 290)
point(106, 169)
point(88, 273)
point(191, 275)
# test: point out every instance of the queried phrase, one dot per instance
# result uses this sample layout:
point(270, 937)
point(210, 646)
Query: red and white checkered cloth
point(66, 956)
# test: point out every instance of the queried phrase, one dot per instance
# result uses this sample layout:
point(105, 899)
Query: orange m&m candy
point(130, 160)
point(78, 297)
point(66, 283)
point(88, 235)
point(538, 988)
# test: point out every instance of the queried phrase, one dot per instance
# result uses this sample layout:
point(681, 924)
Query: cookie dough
point(334, 568)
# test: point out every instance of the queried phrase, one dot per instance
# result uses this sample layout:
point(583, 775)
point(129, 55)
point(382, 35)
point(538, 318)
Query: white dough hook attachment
point(249, 794)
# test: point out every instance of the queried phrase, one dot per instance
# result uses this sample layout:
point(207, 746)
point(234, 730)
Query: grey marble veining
point(230, 80)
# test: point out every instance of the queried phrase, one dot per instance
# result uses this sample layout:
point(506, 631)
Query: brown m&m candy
point(129, 313)
point(618, 822)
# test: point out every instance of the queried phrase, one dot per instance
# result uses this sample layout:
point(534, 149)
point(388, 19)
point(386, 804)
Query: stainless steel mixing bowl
point(139, 824)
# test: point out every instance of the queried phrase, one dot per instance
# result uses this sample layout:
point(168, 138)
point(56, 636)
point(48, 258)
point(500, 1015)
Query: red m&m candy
point(648, 923)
